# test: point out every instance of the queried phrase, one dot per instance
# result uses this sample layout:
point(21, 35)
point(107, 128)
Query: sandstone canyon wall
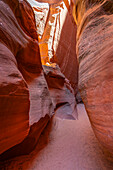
point(39, 69)
point(30, 93)
point(25, 103)
point(95, 55)
point(56, 30)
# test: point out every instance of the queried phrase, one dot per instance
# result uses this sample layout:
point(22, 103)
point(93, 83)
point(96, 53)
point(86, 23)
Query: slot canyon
point(56, 85)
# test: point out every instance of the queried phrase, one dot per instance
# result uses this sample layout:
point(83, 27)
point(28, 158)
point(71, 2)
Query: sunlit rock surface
point(29, 93)
point(56, 30)
point(55, 41)
point(95, 54)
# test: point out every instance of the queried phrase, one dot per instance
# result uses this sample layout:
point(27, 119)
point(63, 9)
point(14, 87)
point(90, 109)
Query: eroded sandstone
point(95, 54)
point(22, 85)
point(56, 30)
point(33, 93)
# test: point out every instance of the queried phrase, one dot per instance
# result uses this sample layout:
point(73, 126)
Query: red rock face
point(95, 55)
point(66, 51)
point(30, 94)
point(56, 30)
point(61, 93)
point(23, 89)
point(14, 94)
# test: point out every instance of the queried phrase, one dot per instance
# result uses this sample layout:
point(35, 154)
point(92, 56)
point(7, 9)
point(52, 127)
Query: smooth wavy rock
point(61, 92)
point(25, 104)
point(56, 30)
point(50, 21)
point(95, 54)
point(31, 94)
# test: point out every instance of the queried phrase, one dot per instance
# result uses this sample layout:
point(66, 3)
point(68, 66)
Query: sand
point(72, 146)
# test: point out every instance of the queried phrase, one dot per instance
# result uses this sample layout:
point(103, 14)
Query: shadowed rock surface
point(54, 21)
point(72, 146)
point(33, 93)
point(95, 54)
point(28, 101)
point(23, 88)
point(61, 92)
point(56, 30)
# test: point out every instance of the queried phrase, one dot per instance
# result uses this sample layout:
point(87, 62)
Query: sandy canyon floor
point(72, 146)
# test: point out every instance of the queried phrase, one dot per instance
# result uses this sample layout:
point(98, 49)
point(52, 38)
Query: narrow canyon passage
point(53, 55)
point(72, 146)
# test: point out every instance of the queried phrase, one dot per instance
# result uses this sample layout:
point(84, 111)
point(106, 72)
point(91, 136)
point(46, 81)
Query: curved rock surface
point(25, 103)
point(61, 93)
point(14, 93)
point(72, 146)
point(95, 54)
point(56, 30)
point(33, 93)
point(52, 21)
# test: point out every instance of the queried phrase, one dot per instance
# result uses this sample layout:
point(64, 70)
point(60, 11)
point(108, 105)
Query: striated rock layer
point(57, 56)
point(95, 54)
point(25, 103)
point(61, 93)
point(31, 93)
point(56, 30)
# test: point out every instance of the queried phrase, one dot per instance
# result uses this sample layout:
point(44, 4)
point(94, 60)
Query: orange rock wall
point(23, 88)
point(56, 30)
point(14, 94)
point(95, 55)
point(52, 25)
point(31, 93)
